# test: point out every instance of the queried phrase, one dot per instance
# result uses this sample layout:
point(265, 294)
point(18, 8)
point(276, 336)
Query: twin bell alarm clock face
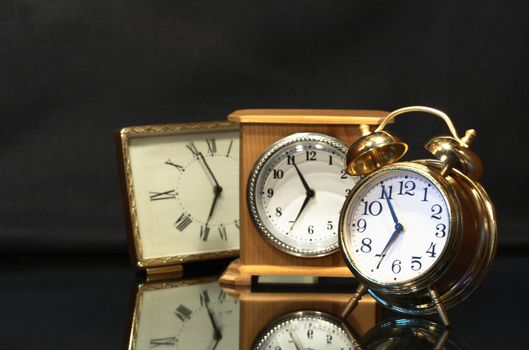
point(420, 235)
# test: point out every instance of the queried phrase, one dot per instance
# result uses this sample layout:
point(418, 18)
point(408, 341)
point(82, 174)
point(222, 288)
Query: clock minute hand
point(201, 156)
point(217, 335)
point(391, 209)
point(303, 181)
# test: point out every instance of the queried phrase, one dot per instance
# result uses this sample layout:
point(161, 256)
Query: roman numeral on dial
point(183, 221)
point(204, 232)
point(212, 145)
point(154, 343)
point(183, 312)
point(157, 196)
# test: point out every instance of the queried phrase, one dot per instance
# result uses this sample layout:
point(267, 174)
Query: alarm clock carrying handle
point(353, 302)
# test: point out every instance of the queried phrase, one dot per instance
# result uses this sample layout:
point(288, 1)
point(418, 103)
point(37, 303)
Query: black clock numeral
point(310, 333)
point(237, 224)
point(396, 267)
point(386, 193)
point(310, 155)
point(154, 343)
point(436, 210)
point(278, 173)
point(330, 159)
point(431, 250)
point(222, 232)
point(361, 225)
point(366, 245)
point(191, 146)
point(183, 221)
point(416, 263)
point(270, 192)
point(169, 162)
point(291, 159)
point(407, 188)
point(204, 297)
point(374, 208)
point(279, 211)
point(204, 232)
point(310, 229)
point(183, 313)
point(330, 225)
point(158, 196)
point(425, 198)
point(441, 230)
point(328, 338)
point(343, 174)
point(229, 148)
point(212, 146)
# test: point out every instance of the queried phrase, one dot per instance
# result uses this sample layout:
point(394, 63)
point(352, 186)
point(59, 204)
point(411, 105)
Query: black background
point(72, 72)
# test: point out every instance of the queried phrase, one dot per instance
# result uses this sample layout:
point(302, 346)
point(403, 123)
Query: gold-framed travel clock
point(181, 189)
point(292, 186)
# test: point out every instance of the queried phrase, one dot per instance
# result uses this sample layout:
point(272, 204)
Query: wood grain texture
point(307, 116)
point(258, 310)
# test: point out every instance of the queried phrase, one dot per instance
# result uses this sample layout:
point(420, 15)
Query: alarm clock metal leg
point(353, 302)
point(441, 310)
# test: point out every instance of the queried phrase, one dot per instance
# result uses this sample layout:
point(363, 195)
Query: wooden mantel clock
point(292, 186)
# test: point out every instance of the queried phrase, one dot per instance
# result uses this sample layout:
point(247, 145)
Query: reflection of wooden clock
point(195, 314)
point(291, 171)
point(259, 310)
point(181, 187)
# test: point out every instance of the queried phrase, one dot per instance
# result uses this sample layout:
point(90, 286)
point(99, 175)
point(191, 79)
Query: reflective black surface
point(86, 302)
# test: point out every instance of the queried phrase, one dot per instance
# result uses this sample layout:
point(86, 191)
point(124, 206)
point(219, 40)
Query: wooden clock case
point(260, 128)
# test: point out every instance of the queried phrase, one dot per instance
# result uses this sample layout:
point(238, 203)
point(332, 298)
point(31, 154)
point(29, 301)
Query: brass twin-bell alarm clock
point(421, 235)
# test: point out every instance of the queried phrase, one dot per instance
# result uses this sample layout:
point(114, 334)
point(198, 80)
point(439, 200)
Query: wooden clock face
point(185, 189)
point(296, 191)
point(185, 315)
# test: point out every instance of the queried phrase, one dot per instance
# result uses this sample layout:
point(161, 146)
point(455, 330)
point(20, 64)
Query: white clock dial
point(398, 224)
point(306, 330)
point(187, 192)
point(298, 192)
point(196, 316)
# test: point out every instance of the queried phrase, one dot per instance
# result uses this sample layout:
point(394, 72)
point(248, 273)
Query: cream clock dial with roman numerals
point(185, 315)
point(183, 187)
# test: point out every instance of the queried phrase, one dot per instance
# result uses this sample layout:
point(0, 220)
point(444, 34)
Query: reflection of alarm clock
point(295, 192)
point(195, 314)
point(412, 333)
point(306, 330)
point(292, 190)
point(419, 236)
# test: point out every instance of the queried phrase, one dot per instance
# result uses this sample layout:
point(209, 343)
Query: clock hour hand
point(308, 197)
point(217, 190)
point(398, 230)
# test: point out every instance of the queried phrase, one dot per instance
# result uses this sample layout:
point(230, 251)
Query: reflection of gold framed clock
point(188, 314)
point(291, 172)
point(181, 188)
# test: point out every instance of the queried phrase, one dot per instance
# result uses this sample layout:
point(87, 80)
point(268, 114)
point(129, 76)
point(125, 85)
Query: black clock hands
point(398, 228)
point(217, 335)
point(217, 190)
point(309, 194)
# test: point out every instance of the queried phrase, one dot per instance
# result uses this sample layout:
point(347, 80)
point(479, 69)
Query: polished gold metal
point(155, 265)
point(380, 148)
point(373, 151)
